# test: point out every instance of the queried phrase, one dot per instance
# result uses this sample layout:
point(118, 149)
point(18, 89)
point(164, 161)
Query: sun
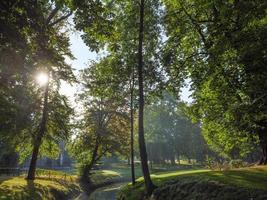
point(42, 78)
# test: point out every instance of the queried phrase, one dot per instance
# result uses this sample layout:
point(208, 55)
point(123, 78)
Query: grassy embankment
point(121, 172)
point(101, 176)
point(52, 185)
point(203, 184)
point(47, 185)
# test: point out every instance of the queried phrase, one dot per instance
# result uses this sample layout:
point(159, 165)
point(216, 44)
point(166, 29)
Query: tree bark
point(151, 164)
point(178, 157)
point(38, 139)
point(87, 168)
point(142, 147)
point(132, 131)
point(85, 173)
point(263, 144)
point(173, 160)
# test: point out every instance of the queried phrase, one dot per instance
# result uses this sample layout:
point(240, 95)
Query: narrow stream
point(106, 193)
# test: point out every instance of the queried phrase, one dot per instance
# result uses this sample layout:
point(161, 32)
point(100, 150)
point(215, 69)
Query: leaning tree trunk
point(132, 130)
point(263, 145)
point(87, 168)
point(142, 146)
point(38, 139)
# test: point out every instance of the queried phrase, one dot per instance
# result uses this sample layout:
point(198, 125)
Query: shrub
point(236, 163)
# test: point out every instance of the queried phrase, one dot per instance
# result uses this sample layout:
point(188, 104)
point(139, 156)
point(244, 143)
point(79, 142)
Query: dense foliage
point(104, 126)
point(221, 47)
point(32, 41)
point(150, 49)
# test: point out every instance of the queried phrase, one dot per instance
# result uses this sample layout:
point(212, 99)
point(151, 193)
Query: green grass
point(101, 176)
point(48, 185)
point(252, 178)
point(124, 170)
point(119, 171)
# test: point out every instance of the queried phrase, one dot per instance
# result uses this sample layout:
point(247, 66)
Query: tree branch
point(198, 28)
point(60, 19)
point(51, 15)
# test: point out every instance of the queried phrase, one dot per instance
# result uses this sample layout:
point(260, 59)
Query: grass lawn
point(124, 170)
point(251, 178)
point(48, 185)
point(101, 176)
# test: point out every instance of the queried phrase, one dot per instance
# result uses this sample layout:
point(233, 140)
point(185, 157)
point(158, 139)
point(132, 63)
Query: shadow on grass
point(33, 190)
point(28, 191)
point(256, 178)
point(246, 183)
point(246, 178)
point(18, 188)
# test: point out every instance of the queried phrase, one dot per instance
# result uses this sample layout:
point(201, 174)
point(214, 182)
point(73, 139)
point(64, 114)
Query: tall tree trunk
point(40, 134)
point(132, 130)
point(85, 173)
point(142, 146)
point(263, 144)
point(178, 157)
point(173, 160)
point(151, 164)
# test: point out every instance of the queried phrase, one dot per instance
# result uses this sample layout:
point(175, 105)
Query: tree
point(112, 77)
point(143, 154)
point(170, 133)
point(40, 135)
point(117, 32)
point(132, 81)
point(103, 132)
point(105, 122)
point(220, 47)
point(33, 38)
point(15, 61)
point(49, 54)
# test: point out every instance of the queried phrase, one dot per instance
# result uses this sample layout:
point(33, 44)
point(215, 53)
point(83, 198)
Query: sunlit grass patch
point(109, 173)
point(101, 176)
point(251, 178)
point(124, 170)
point(254, 177)
point(42, 187)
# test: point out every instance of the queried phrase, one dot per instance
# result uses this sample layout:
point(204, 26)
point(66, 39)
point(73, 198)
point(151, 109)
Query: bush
point(215, 165)
point(209, 162)
point(236, 163)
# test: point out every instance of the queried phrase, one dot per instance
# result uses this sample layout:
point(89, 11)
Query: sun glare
point(42, 78)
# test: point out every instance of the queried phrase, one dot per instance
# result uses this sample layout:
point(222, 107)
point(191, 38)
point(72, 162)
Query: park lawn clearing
point(249, 179)
point(124, 170)
point(57, 186)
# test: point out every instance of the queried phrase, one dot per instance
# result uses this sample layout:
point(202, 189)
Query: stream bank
point(105, 191)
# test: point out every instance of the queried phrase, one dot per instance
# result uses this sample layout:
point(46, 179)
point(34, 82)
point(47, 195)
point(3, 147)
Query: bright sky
point(83, 55)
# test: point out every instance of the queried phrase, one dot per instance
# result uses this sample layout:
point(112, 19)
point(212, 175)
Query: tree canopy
point(220, 47)
point(148, 50)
